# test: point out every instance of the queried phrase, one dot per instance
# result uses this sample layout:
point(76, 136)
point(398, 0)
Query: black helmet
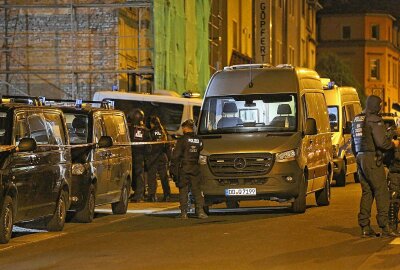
point(189, 124)
point(155, 120)
point(136, 116)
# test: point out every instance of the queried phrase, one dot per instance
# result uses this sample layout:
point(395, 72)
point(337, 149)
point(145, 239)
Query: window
point(21, 129)
point(389, 74)
point(98, 130)
point(350, 113)
point(38, 128)
point(316, 108)
point(235, 40)
point(170, 114)
point(196, 113)
point(77, 125)
point(374, 69)
point(55, 128)
point(334, 118)
point(116, 128)
point(3, 127)
point(346, 32)
point(375, 31)
point(249, 113)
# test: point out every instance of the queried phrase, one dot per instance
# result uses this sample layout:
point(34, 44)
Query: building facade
point(369, 44)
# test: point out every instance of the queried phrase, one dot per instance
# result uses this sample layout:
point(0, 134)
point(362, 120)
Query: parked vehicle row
point(58, 158)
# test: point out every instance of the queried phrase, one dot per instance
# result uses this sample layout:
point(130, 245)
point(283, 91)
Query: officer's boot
point(387, 232)
point(200, 213)
point(367, 231)
point(183, 214)
point(393, 212)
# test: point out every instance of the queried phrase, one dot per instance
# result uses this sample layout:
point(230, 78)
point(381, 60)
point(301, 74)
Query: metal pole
point(140, 30)
point(6, 18)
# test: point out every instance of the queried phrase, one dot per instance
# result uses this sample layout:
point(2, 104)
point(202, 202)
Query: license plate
point(240, 192)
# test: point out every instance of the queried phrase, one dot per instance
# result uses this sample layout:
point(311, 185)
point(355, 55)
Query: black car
point(35, 167)
point(101, 157)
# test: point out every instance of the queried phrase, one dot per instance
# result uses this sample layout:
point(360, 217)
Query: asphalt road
point(256, 236)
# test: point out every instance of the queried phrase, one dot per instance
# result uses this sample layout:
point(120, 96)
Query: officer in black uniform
point(394, 190)
point(138, 133)
point(369, 140)
point(157, 160)
point(186, 170)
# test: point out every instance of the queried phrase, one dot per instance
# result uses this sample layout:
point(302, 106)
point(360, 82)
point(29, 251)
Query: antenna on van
point(251, 74)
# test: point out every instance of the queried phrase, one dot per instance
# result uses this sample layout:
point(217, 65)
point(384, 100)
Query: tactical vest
point(362, 134)
point(193, 146)
point(138, 133)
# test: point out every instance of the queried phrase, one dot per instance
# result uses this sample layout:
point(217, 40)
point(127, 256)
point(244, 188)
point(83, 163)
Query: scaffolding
point(73, 49)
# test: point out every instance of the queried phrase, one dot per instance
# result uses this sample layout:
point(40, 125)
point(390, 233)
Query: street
point(256, 236)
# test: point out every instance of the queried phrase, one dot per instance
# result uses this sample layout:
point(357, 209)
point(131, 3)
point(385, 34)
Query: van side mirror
point(27, 145)
point(347, 128)
point(311, 127)
point(105, 141)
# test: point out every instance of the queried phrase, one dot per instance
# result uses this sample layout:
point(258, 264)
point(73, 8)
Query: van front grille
point(241, 164)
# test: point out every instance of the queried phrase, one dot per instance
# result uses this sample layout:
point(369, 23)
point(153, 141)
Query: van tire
point(57, 221)
point(299, 205)
point(6, 220)
point(233, 204)
point(341, 178)
point(323, 196)
point(86, 214)
point(121, 207)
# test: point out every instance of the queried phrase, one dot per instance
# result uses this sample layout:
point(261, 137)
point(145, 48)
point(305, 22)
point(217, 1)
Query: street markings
point(396, 241)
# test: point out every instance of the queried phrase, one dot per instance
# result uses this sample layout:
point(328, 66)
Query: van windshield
point(249, 113)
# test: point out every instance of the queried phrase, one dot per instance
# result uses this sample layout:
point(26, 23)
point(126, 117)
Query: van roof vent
point(247, 66)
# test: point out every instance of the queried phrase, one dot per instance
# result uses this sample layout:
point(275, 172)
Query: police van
point(171, 108)
point(343, 105)
point(266, 136)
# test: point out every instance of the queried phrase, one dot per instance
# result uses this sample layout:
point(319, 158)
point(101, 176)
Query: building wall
point(239, 28)
point(362, 51)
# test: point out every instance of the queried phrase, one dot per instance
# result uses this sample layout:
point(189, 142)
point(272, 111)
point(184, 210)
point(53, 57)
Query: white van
point(172, 108)
point(343, 105)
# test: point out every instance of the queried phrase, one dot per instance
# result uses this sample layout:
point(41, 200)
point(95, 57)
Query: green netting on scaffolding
point(181, 45)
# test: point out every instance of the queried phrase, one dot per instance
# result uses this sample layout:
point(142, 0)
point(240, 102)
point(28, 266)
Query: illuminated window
point(374, 69)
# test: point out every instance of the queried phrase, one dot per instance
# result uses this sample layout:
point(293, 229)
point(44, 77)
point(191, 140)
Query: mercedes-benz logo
point(239, 163)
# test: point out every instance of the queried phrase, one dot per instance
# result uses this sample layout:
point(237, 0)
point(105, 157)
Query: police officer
point(138, 133)
point(186, 169)
point(369, 140)
point(394, 189)
point(157, 160)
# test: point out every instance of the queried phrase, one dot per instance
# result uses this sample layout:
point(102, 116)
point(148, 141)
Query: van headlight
point(286, 155)
point(78, 169)
point(203, 160)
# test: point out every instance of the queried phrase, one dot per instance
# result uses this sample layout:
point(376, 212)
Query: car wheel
point(6, 220)
point(323, 196)
point(341, 178)
point(232, 204)
point(121, 207)
point(299, 204)
point(86, 214)
point(57, 221)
